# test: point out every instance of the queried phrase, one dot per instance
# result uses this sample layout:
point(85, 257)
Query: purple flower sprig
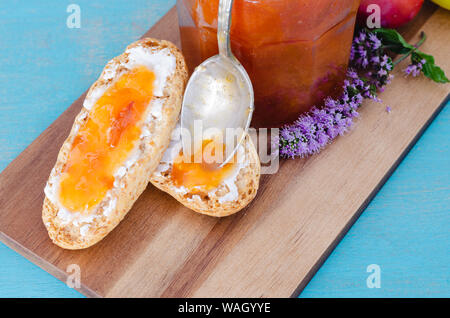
point(368, 56)
point(313, 130)
point(415, 68)
point(420, 61)
point(369, 73)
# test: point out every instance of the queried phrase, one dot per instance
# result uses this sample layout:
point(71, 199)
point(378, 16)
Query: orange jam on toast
point(207, 174)
point(105, 140)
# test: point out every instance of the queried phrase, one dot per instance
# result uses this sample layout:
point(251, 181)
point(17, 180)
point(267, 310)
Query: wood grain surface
point(273, 247)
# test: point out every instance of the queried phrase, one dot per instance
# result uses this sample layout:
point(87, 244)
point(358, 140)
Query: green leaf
point(393, 40)
point(430, 69)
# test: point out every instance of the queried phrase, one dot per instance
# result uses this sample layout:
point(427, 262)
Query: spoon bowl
point(218, 100)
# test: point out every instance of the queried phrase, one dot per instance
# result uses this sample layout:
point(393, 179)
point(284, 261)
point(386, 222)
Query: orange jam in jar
point(105, 141)
point(295, 51)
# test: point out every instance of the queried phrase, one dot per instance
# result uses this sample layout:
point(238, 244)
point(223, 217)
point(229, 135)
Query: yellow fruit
point(443, 3)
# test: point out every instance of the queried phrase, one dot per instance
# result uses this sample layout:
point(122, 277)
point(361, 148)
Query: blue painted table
point(44, 66)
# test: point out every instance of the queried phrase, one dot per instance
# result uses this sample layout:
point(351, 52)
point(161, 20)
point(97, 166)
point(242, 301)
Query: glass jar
point(295, 51)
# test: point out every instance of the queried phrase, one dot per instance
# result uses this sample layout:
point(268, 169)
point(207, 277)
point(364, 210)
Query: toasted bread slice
point(233, 194)
point(77, 230)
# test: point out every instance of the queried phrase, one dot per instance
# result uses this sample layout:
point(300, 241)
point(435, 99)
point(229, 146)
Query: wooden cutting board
point(270, 249)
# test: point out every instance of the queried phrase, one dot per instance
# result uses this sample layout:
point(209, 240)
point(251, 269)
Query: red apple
point(394, 13)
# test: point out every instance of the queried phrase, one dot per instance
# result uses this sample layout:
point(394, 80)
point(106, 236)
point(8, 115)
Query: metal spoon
point(218, 96)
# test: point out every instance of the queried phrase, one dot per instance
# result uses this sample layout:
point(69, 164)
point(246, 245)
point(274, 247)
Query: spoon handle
point(223, 29)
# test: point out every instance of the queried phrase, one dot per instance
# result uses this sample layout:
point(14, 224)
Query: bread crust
point(246, 182)
point(69, 234)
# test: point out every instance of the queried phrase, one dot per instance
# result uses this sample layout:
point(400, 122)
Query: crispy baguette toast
point(81, 231)
point(231, 196)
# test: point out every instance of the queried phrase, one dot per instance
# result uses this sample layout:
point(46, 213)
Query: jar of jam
point(295, 51)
